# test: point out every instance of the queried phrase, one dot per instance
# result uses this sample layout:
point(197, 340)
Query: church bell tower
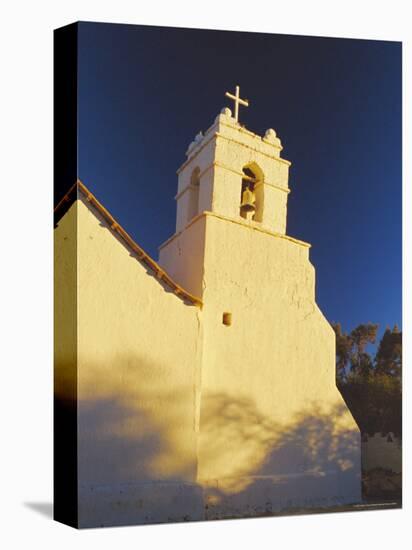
point(230, 173)
point(221, 162)
point(266, 353)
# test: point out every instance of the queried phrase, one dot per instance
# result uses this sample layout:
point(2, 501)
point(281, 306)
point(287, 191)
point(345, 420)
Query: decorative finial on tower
point(238, 101)
point(226, 111)
point(271, 137)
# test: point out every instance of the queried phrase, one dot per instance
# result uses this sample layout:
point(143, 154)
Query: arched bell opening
point(193, 206)
point(251, 195)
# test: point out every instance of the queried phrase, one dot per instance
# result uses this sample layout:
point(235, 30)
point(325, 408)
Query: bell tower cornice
point(225, 127)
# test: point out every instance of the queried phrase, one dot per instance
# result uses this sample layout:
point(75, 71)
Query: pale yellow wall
point(269, 405)
point(180, 416)
point(273, 425)
point(138, 359)
point(65, 367)
point(65, 305)
point(182, 256)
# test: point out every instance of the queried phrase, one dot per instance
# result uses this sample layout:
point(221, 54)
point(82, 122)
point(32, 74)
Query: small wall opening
point(227, 318)
point(251, 194)
point(193, 206)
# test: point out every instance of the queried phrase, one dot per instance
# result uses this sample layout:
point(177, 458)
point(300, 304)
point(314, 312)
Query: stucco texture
point(270, 408)
point(274, 430)
point(185, 413)
point(137, 360)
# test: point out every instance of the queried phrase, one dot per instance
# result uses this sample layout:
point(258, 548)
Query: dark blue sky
point(144, 92)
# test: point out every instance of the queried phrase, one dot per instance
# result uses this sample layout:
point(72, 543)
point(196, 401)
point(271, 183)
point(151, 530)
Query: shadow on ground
point(45, 509)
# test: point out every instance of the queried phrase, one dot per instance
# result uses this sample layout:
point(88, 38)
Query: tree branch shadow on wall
point(135, 426)
point(313, 456)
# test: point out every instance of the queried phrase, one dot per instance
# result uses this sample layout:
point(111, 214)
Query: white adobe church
point(206, 380)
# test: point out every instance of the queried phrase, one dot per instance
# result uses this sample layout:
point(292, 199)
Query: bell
point(248, 201)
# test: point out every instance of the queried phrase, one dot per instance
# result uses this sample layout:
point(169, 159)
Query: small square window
point(227, 319)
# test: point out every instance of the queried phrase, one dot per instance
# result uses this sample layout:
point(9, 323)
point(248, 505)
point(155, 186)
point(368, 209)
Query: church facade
point(205, 380)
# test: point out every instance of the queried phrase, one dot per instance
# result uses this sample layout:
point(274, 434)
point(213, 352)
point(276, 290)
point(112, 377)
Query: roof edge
point(73, 194)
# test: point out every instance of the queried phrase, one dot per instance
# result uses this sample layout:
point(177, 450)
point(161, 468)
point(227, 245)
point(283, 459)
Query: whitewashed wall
point(138, 358)
point(382, 451)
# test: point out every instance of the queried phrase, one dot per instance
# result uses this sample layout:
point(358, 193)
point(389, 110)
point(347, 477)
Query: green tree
point(371, 386)
point(361, 336)
point(351, 355)
point(389, 355)
point(343, 351)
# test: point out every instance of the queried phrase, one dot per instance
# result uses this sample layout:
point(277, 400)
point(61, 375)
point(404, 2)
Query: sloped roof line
point(161, 274)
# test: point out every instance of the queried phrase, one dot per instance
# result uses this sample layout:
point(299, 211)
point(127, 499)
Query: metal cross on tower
point(238, 101)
